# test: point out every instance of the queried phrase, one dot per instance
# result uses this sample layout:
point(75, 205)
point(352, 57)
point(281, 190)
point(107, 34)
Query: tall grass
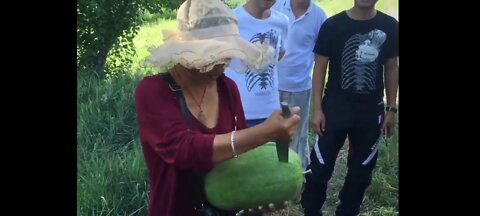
point(111, 174)
point(382, 195)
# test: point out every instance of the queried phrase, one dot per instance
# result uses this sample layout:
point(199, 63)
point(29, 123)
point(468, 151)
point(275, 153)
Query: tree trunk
point(101, 59)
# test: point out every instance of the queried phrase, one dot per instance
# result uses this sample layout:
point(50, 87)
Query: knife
point(282, 147)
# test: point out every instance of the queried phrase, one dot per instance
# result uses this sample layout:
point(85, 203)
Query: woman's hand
point(264, 208)
point(281, 129)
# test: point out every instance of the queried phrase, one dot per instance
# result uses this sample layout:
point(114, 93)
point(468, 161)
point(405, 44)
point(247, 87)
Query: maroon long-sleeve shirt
point(172, 149)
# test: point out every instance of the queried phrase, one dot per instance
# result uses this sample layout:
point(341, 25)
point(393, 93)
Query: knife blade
point(282, 147)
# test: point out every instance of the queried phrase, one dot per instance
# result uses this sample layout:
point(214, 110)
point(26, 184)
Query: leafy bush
point(106, 28)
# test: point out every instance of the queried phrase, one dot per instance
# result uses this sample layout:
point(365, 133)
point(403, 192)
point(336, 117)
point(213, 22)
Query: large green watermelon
point(254, 178)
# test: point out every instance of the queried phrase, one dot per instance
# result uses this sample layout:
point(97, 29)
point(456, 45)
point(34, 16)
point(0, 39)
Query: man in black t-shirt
point(360, 46)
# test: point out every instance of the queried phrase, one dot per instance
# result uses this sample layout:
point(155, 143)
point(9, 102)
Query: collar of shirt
point(287, 5)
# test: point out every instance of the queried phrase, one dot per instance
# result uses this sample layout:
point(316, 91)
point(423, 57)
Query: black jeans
point(361, 122)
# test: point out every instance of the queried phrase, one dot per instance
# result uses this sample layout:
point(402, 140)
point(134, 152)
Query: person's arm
point(391, 87)
point(163, 127)
point(391, 81)
point(244, 139)
point(281, 54)
point(318, 85)
point(275, 128)
point(283, 43)
point(391, 78)
point(322, 52)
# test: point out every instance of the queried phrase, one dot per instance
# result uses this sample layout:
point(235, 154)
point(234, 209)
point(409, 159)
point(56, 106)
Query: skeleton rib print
point(359, 61)
point(263, 78)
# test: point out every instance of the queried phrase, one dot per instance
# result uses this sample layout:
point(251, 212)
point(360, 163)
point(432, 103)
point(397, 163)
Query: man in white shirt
point(294, 71)
point(259, 89)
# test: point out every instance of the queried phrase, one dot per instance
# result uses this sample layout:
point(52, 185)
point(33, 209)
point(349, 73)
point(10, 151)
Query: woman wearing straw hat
point(180, 145)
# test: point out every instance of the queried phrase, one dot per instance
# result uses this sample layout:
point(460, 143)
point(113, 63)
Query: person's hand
point(318, 122)
point(389, 124)
point(265, 208)
point(281, 129)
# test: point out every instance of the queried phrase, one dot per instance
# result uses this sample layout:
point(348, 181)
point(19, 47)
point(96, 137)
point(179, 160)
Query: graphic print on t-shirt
point(359, 61)
point(263, 78)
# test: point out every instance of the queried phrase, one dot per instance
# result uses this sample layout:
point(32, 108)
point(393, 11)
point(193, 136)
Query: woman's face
point(209, 76)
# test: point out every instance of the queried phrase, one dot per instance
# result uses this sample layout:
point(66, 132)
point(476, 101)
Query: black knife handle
point(285, 110)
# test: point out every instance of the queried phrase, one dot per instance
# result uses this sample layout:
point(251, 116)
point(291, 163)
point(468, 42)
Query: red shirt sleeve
point(163, 127)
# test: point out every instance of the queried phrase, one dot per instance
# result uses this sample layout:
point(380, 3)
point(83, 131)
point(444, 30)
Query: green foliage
point(150, 35)
point(166, 14)
point(383, 190)
point(111, 174)
point(106, 111)
point(106, 28)
point(382, 211)
point(111, 182)
point(234, 3)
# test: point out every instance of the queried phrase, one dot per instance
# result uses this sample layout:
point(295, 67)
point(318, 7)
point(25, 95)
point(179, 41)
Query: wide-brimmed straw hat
point(207, 34)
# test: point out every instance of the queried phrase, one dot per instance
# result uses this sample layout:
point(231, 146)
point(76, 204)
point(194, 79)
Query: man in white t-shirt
point(259, 89)
point(294, 71)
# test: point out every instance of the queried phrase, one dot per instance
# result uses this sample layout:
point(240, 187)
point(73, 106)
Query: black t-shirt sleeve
point(392, 48)
point(323, 46)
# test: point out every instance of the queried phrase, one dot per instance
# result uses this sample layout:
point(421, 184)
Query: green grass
point(111, 173)
point(332, 7)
